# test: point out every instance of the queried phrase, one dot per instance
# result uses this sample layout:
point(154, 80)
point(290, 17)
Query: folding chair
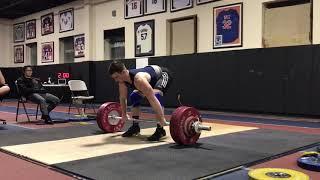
point(23, 100)
point(80, 92)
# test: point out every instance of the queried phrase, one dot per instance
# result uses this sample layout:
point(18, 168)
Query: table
point(55, 85)
point(60, 90)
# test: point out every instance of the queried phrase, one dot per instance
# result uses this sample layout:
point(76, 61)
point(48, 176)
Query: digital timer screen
point(63, 75)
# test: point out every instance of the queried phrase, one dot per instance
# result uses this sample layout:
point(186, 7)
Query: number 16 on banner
point(133, 8)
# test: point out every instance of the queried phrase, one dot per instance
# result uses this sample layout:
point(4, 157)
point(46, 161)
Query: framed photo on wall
point(199, 2)
point(47, 24)
point(19, 54)
point(18, 32)
point(144, 38)
point(227, 26)
point(31, 29)
point(133, 8)
point(154, 6)
point(176, 5)
point(47, 52)
point(79, 46)
point(66, 20)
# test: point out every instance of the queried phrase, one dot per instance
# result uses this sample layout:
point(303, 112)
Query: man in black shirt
point(32, 89)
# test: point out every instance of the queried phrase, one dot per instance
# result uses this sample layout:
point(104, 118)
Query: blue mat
point(60, 115)
point(263, 121)
point(56, 116)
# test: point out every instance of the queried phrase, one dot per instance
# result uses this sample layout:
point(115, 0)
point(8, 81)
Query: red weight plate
point(173, 125)
point(99, 113)
point(181, 128)
point(107, 124)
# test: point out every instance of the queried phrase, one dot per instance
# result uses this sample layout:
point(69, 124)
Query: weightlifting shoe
point(132, 131)
point(158, 134)
point(47, 119)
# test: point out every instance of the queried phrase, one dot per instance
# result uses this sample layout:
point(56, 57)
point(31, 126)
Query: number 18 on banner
point(154, 6)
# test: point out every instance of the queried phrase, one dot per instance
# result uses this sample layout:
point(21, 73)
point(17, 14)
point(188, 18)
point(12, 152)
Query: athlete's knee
point(136, 98)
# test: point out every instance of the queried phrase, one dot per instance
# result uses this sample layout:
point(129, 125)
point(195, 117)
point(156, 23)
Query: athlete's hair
point(116, 66)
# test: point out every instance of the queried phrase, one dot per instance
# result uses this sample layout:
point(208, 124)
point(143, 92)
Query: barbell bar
point(198, 127)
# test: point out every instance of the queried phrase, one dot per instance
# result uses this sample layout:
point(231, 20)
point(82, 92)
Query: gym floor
point(77, 148)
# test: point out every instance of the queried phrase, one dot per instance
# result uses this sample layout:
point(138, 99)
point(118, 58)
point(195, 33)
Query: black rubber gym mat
point(213, 154)
point(27, 136)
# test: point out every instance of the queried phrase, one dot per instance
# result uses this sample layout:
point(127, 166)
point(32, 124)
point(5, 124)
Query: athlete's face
point(119, 77)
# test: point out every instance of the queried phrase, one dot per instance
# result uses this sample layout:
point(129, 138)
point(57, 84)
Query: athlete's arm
point(143, 85)
point(123, 92)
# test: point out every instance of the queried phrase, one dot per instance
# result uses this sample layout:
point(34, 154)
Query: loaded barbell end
point(198, 127)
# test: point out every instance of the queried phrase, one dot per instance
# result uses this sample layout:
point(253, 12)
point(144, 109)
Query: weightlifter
point(150, 82)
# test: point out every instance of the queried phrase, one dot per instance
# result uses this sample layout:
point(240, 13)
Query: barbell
point(185, 123)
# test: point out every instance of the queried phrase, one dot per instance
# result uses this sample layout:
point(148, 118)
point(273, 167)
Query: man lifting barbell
point(151, 82)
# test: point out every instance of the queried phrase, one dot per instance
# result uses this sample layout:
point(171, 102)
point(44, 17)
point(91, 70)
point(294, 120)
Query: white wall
point(6, 47)
point(252, 25)
point(92, 17)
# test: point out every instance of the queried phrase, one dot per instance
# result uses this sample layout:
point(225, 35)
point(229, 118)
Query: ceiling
point(12, 9)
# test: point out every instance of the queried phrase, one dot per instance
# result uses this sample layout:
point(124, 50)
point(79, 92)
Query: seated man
point(4, 89)
point(32, 89)
point(150, 82)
